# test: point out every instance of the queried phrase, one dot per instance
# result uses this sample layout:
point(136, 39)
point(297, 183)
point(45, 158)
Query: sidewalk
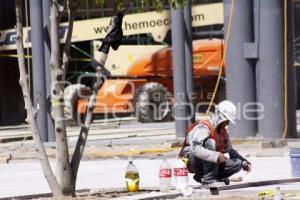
point(129, 138)
point(26, 178)
point(108, 148)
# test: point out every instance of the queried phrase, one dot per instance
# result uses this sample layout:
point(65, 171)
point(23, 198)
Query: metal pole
point(297, 42)
point(188, 46)
point(292, 91)
point(38, 70)
point(46, 25)
point(179, 72)
point(270, 69)
point(256, 13)
point(240, 73)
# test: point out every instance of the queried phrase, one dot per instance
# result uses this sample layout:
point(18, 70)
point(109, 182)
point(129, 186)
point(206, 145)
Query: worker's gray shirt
point(196, 138)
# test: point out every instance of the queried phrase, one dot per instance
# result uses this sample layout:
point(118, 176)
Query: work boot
point(198, 178)
point(215, 184)
point(224, 180)
point(207, 182)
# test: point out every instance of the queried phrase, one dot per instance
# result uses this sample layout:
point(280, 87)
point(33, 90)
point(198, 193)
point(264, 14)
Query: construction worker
point(207, 142)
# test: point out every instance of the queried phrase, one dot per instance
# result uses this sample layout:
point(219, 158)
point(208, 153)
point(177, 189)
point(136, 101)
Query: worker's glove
point(247, 166)
point(115, 32)
point(221, 158)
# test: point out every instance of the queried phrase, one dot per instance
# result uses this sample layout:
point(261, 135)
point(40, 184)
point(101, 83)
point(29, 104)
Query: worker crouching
point(207, 142)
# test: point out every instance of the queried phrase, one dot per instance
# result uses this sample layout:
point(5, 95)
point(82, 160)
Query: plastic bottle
point(277, 193)
point(180, 175)
point(165, 176)
point(132, 177)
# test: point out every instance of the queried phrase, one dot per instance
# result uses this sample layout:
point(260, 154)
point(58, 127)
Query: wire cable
point(228, 33)
point(285, 43)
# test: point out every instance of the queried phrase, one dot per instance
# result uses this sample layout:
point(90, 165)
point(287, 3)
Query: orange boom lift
point(147, 88)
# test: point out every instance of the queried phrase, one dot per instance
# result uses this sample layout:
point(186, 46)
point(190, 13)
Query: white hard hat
point(228, 110)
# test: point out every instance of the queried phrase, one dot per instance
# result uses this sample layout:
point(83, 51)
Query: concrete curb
point(153, 193)
point(152, 196)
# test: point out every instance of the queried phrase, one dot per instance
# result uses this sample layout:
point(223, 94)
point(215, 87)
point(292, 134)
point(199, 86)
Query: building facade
point(12, 110)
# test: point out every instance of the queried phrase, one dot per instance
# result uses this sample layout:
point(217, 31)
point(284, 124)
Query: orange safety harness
point(220, 145)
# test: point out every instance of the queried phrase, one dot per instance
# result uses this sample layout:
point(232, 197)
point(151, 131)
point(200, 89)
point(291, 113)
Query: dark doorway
point(11, 102)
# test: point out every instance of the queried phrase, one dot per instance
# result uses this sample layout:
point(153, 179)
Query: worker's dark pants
point(209, 172)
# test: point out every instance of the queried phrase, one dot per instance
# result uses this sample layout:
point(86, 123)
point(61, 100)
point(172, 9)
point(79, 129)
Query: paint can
point(295, 161)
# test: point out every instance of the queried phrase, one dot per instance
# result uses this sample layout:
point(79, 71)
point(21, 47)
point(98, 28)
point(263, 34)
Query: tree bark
point(72, 7)
point(101, 76)
point(113, 38)
point(64, 172)
point(31, 112)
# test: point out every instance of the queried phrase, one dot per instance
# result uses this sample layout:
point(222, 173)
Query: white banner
point(155, 23)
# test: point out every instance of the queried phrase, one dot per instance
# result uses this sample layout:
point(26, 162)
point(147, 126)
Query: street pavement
point(26, 178)
point(106, 132)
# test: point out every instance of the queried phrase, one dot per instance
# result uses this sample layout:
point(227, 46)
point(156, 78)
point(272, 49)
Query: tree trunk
point(101, 76)
point(113, 38)
point(64, 173)
point(31, 112)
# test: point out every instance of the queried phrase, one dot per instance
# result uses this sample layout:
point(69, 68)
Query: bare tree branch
point(100, 78)
point(65, 177)
point(112, 39)
point(61, 4)
point(31, 113)
point(72, 7)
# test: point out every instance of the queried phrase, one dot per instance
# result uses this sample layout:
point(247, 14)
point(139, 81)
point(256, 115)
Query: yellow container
point(132, 181)
point(132, 178)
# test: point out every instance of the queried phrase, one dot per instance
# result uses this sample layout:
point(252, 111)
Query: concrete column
point(292, 91)
point(188, 46)
point(38, 70)
point(47, 53)
point(179, 72)
point(240, 71)
point(270, 69)
point(297, 37)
